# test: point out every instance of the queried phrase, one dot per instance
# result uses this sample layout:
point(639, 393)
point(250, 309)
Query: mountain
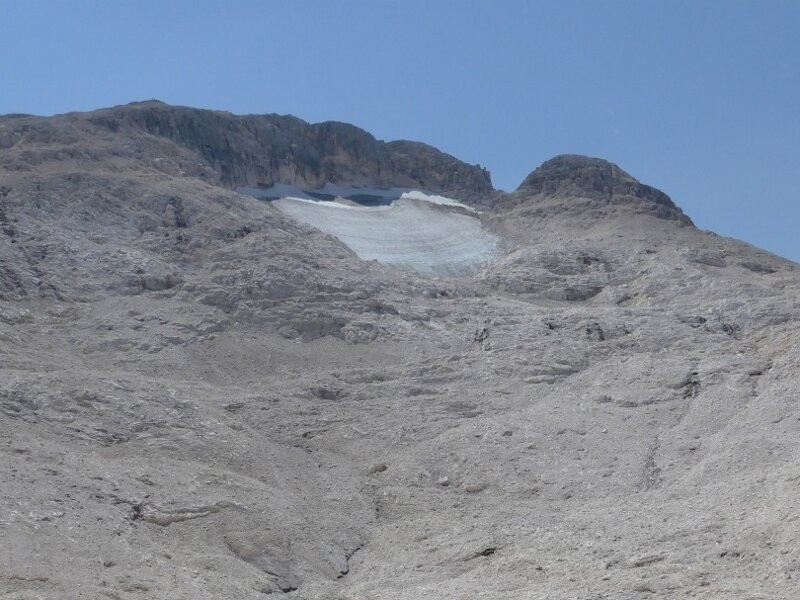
point(596, 182)
point(249, 355)
point(235, 151)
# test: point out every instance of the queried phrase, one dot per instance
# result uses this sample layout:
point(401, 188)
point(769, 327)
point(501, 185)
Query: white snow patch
point(279, 190)
point(331, 204)
point(417, 235)
point(434, 199)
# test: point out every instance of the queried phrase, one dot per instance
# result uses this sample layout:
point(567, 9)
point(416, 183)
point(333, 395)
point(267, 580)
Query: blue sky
point(699, 99)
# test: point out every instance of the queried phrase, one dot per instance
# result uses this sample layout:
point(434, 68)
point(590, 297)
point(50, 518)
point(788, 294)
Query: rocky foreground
point(203, 398)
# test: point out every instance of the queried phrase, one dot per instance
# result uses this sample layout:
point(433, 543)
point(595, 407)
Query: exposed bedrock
point(595, 180)
point(209, 396)
point(261, 150)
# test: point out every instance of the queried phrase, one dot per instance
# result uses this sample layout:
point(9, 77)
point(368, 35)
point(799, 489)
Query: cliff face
point(261, 150)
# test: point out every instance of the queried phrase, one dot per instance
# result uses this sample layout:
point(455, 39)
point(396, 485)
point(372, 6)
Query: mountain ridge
point(264, 150)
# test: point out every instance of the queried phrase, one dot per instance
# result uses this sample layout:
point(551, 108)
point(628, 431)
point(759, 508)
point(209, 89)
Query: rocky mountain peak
point(596, 179)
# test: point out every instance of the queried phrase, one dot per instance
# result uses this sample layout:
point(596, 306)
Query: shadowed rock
point(576, 176)
point(262, 150)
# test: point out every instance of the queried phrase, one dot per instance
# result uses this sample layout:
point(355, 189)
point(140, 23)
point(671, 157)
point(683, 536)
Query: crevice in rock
point(347, 557)
point(486, 552)
point(651, 473)
point(691, 387)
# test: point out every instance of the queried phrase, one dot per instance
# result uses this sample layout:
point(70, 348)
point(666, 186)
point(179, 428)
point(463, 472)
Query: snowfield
point(441, 200)
point(430, 234)
point(367, 196)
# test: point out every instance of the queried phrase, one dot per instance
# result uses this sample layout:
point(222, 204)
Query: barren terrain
point(205, 395)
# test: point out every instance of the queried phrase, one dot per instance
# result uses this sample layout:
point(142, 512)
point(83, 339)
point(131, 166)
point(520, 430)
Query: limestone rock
point(204, 397)
point(582, 177)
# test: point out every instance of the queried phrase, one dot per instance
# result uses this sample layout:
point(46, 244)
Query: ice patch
point(418, 235)
point(432, 234)
point(279, 190)
point(434, 199)
point(331, 204)
point(367, 196)
point(332, 190)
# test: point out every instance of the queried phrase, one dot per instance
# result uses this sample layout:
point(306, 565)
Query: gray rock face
point(261, 150)
point(202, 398)
point(575, 176)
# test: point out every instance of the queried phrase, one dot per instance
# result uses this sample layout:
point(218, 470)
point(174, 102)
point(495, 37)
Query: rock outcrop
point(596, 180)
point(262, 150)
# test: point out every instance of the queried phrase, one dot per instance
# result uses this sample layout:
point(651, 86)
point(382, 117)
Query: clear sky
point(700, 99)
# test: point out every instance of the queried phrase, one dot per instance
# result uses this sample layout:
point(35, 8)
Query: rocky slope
point(202, 397)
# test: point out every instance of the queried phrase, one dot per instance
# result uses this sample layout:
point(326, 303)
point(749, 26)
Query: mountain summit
point(576, 176)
